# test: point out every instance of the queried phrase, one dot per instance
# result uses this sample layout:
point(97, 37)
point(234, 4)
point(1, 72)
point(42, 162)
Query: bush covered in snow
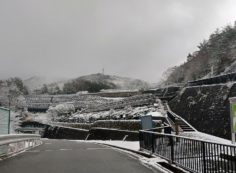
point(62, 109)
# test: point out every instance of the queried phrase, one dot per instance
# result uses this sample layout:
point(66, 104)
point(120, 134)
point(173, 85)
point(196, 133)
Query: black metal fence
point(191, 154)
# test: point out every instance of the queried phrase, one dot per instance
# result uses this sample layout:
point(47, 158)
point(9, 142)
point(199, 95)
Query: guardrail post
point(203, 157)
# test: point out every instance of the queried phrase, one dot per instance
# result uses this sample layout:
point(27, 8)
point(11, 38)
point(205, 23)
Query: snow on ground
point(115, 114)
point(114, 98)
point(155, 114)
point(153, 162)
point(117, 90)
point(205, 137)
point(134, 145)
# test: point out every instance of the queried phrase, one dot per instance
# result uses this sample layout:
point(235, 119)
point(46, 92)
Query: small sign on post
point(146, 122)
point(233, 117)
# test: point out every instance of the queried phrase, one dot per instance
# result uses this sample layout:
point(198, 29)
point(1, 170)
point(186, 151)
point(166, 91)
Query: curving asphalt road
point(62, 156)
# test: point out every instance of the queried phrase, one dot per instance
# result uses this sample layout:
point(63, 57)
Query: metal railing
point(214, 80)
point(173, 118)
point(12, 144)
point(191, 154)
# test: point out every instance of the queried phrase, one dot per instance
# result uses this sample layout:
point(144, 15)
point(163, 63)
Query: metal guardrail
point(165, 128)
point(11, 144)
point(214, 80)
point(194, 155)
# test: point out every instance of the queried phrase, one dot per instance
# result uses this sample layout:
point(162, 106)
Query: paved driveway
point(62, 156)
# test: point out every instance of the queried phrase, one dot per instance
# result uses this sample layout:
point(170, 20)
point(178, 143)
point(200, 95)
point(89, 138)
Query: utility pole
point(9, 115)
point(103, 71)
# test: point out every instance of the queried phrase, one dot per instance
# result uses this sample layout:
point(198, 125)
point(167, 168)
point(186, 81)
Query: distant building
point(31, 127)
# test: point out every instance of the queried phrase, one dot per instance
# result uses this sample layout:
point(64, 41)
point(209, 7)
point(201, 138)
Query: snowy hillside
point(214, 56)
point(37, 82)
point(83, 82)
point(12, 90)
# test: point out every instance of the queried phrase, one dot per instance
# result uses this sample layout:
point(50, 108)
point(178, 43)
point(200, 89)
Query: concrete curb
point(133, 151)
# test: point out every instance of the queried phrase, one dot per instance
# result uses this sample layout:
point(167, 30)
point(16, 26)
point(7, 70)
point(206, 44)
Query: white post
point(232, 116)
point(212, 71)
point(233, 138)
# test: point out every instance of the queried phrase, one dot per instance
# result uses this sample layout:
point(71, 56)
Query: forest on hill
point(214, 56)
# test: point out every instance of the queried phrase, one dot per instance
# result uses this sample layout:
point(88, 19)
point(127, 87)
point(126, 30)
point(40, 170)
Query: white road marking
point(47, 143)
point(65, 149)
point(98, 148)
point(32, 151)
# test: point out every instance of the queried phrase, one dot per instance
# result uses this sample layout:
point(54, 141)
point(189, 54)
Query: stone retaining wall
point(206, 107)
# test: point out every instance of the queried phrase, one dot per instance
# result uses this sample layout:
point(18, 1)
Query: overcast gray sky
point(134, 38)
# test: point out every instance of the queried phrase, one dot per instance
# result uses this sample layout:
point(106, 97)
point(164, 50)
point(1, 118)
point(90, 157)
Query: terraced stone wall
point(131, 125)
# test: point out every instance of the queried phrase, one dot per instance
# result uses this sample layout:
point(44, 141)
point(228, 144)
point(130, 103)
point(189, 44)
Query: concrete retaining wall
point(112, 134)
point(100, 130)
point(58, 132)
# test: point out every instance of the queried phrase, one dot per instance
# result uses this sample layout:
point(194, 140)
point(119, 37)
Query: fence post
point(140, 140)
point(153, 149)
point(172, 149)
point(203, 157)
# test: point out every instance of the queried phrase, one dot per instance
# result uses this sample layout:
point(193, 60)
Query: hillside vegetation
point(93, 83)
point(214, 56)
point(84, 85)
point(11, 91)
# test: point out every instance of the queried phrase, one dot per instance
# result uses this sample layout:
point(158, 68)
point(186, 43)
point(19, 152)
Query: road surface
point(62, 156)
